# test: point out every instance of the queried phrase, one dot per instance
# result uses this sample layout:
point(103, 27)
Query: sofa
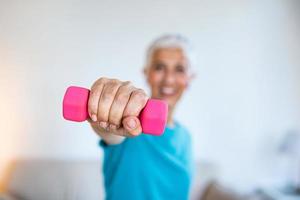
point(82, 180)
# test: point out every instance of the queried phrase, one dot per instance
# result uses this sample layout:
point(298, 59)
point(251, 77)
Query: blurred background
point(240, 108)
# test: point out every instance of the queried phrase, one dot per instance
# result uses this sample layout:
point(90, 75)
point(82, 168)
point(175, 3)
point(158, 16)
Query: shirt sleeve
point(102, 143)
point(105, 146)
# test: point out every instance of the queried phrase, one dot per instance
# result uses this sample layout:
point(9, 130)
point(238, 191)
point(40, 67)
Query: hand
point(114, 107)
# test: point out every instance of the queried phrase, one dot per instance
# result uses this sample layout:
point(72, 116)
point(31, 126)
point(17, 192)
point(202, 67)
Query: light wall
point(245, 97)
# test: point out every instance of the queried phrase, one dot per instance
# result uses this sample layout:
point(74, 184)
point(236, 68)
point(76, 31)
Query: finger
point(131, 127)
point(112, 128)
point(94, 100)
point(119, 104)
point(136, 103)
point(95, 126)
point(107, 96)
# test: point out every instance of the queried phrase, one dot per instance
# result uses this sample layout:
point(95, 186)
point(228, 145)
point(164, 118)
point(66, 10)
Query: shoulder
point(184, 131)
point(181, 127)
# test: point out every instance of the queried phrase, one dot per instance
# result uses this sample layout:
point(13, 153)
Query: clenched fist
point(114, 107)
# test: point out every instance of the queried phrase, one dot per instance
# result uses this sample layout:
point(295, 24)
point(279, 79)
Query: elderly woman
point(140, 166)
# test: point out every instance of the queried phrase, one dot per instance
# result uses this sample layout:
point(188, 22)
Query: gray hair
point(172, 41)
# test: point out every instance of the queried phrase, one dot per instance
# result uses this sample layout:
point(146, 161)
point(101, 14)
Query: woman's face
point(168, 75)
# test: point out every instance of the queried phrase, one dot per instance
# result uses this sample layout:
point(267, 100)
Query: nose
point(169, 78)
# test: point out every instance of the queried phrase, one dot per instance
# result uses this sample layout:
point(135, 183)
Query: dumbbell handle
point(153, 117)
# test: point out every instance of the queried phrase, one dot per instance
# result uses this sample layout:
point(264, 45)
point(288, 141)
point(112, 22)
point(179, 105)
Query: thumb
point(132, 125)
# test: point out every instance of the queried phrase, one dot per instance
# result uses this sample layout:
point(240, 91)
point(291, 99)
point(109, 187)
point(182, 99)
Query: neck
point(170, 120)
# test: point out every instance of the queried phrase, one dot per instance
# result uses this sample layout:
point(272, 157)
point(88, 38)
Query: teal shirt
point(149, 167)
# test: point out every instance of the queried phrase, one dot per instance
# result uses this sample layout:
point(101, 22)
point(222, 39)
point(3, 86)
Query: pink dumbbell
point(153, 117)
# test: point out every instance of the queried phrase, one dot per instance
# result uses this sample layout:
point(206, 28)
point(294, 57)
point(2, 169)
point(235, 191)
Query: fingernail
point(131, 123)
point(103, 124)
point(94, 118)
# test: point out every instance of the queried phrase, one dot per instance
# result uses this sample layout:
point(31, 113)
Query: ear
point(145, 71)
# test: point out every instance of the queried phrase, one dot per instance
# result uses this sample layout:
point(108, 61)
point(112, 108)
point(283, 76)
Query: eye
point(158, 66)
point(180, 69)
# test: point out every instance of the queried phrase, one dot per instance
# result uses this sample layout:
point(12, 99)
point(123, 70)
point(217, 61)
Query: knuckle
point(127, 83)
point(116, 84)
point(114, 81)
point(113, 85)
point(125, 88)
point(102, 79)
point(106, 96)
point(95, 90)
point(114, 120)
point(140, 95)
point(121, 99)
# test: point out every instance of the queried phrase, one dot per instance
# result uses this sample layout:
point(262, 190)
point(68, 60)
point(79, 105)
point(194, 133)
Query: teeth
point(167, 90)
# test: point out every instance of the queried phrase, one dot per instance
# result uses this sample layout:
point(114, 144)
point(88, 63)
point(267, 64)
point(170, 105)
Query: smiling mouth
point(167, 91)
